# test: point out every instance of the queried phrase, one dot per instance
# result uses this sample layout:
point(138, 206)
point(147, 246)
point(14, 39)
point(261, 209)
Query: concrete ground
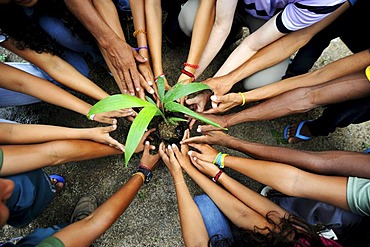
point(152, 218)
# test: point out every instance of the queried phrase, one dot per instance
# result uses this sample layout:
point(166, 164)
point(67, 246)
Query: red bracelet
point(161, 75)
point(185, 72)
point(145, 167)
point(194, 66)
point(217, 176)
point(227, 124)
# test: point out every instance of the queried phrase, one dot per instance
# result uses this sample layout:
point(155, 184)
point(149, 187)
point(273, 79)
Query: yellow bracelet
point(222, 165)
point(138, 31)
point(141, 175)
point(243, 98)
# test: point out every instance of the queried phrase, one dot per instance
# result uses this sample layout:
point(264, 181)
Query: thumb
point(139, 58)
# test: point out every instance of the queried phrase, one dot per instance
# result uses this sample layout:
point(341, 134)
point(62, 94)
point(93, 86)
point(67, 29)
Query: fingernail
point(195, 158)
point(138, 89)
point(174, 145)
point(190, 152)
point(150, 83)
point(114, 126)
point(114, 121)
point(151, 91)
point(199, 130)
point(133, 94)
point(169, 147)
point(213, 97)
point(147, 143)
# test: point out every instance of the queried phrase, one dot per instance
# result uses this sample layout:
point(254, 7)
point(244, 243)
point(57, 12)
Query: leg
point(51, 153)
point(215, 221)
point(32, 193)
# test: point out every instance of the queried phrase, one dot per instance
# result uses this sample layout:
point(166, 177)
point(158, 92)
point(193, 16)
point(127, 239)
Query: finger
point(139, 58)
point(195, 139)
point(146, 147)
point(205, 128)
point(145, 84)
point(116, 144)
point(104, 119)
point(212, 111)
point(192, 122)
point(135, 78)
point(176, 150)
point(129, 84)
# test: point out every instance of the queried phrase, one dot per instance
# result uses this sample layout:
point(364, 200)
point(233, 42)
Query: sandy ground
point(152, 218)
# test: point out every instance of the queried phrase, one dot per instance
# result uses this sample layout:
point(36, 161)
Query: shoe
point(298, 132)
point(84, 207)
point(269, 192)
point(56, 179)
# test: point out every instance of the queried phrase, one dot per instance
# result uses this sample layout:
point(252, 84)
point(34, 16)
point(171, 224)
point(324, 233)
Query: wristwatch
point(147, 173)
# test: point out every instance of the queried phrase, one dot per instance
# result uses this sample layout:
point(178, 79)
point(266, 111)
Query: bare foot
point(297, 132)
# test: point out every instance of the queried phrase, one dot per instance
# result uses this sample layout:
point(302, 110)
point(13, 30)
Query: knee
point(187, 16)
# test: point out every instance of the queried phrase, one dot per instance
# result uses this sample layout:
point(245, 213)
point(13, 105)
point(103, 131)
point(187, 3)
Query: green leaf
point(176, 107)
point(117, 102)
point(160, 85)
point(180, 90)
point(177, 119)
point(137, 129)
point(150, 100)
point(279, 137)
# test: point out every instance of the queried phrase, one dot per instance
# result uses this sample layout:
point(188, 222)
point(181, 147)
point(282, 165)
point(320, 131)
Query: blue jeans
point(215, 221)
point(32, 193)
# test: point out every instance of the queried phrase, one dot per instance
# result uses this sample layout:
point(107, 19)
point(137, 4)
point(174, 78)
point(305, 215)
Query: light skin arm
point(86, 231)
point(221, 28)
point(203, 24)
point(100, 17)
point(146, 74)
point(59, 70)
point(285, 178)
point(190, 218)
point(269, 55)
point(20, 81)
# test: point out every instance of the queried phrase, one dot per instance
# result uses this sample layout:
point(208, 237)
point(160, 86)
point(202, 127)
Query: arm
point(59, 70)
point(203, 23)
point(84, 232)
point(221, 28)
point(20, 81)
point(193, 230)
point(100, 17)
point(285, 178)
point(338, 163)
point(146, 74)
point(271, 54)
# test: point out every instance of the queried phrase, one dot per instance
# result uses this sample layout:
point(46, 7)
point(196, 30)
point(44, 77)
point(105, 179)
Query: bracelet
point(222, 163)
point(191, 75)
point(141, 47)
point(194, 66)
point(138, 31)
point(243, 98)
point(216, 158)
point(227, 124)
point(161, 75)
point(141, 175)
point(217, 176)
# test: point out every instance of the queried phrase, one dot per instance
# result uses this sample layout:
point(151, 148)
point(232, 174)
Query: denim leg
point(215, 221)
point(32, 193)
point(38, 235)
point(63, 36)
point(12, 98)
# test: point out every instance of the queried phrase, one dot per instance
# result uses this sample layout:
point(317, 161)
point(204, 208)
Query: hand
point(221, 120)
point(140, 147)
point(205, 167)
point(199, 102)
point(122, 56)
point(207, 153)
point(219, 85)
point(146, 77)
point(210, 137)
point(148, 159)
point(169, 159)
point(224, 103)
point(101, 134)
point(110, 117)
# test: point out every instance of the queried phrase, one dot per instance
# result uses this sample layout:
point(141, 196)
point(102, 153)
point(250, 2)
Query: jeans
point(215, 221)
point(32, 193)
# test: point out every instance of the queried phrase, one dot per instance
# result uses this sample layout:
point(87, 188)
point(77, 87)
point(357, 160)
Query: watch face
point(148, 177)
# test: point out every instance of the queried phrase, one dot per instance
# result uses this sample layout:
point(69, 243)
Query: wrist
point(146, 171)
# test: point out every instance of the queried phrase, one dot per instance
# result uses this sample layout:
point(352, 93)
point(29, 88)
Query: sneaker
point(84, 207)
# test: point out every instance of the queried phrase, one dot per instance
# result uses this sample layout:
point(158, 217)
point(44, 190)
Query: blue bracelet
point(141, 47)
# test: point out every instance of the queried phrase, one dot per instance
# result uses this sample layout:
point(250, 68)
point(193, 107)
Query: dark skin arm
point(84, 232)
point(341, 163)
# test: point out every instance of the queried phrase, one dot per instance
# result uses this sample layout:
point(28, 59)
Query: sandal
point(56, 179)
point(297, 132)
point(84, 207)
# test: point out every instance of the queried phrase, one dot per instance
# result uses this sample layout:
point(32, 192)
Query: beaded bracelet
point(138, 31)
point(145, 167)
point(217, 176)
point(194, 66)
point(191, 75)
point(141, 47)
point(216, 158)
